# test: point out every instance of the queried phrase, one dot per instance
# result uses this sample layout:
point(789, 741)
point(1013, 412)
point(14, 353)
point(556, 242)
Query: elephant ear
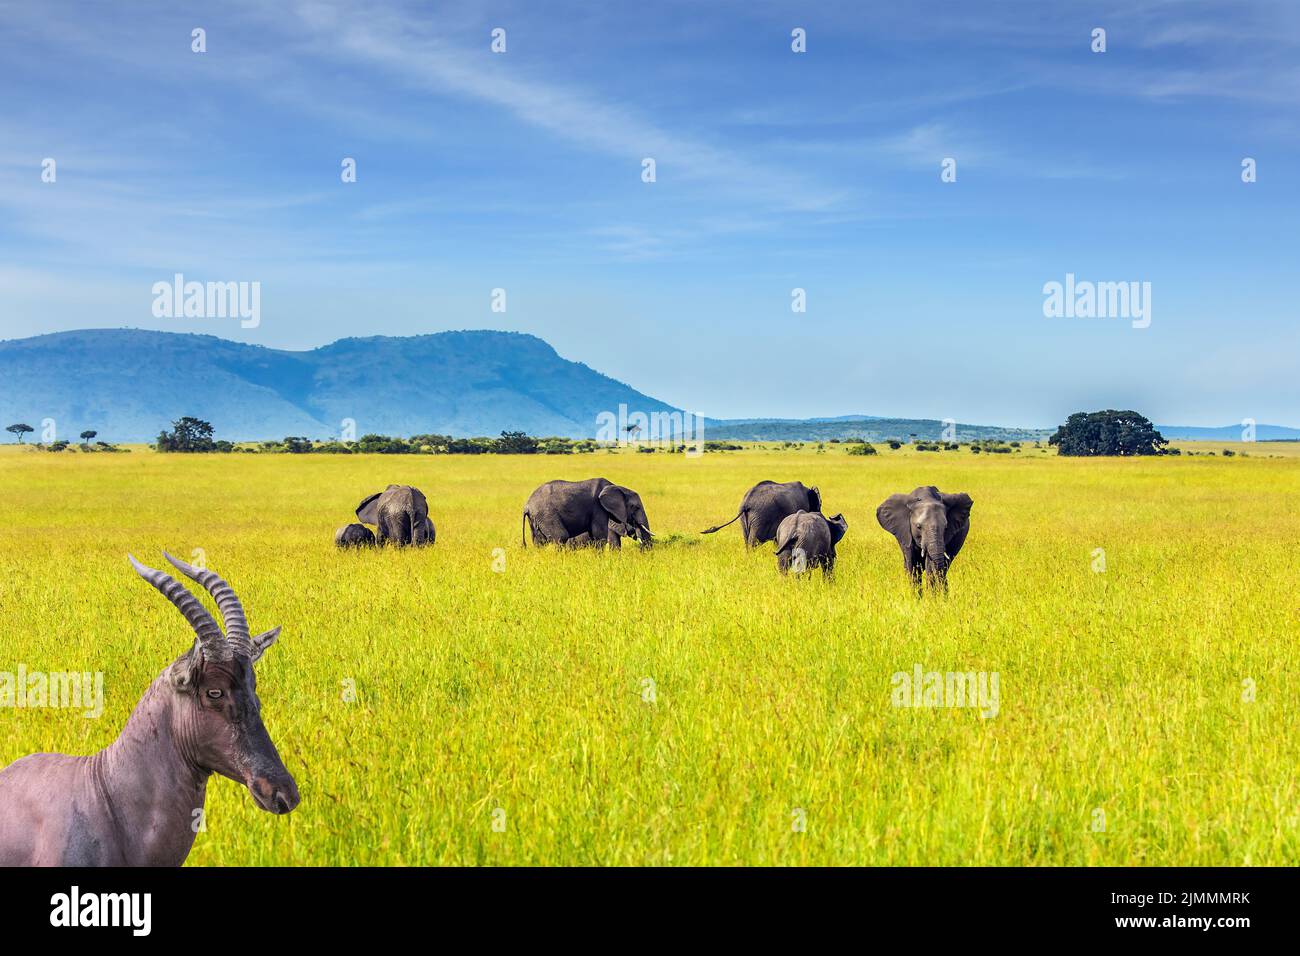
point(612, 500)
point(958, 507)
point(368, 510)
point(895, 516)
point(814, 500)
point(838, 527)
point(418, 497)
point(785, 532)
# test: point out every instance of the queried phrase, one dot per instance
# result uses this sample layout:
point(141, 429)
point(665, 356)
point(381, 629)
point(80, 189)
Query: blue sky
point(775, 171)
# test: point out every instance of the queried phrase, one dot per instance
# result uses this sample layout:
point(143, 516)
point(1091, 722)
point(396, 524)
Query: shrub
point(297, 445)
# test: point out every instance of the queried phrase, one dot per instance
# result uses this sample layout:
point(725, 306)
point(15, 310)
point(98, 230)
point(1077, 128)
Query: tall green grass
point(497, 683)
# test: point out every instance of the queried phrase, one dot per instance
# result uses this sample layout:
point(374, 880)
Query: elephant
point(767, 504)
point(579, 513)
point(806, 540)
point(400, 514)
point(354, 536)
point(930, 527)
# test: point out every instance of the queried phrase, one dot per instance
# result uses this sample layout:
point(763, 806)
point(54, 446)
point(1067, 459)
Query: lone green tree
point(20, 430)
point(187, 435)
point(87, 435)
point(516, 443)
point(1108, 432)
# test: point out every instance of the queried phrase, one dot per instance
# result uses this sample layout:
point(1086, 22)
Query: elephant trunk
point(935, 559)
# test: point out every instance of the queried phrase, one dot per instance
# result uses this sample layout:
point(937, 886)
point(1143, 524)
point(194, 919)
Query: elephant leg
point(393, 529)
point(938, 580)
point(913, 561)
point(601, 532)
point(783, 562)
point(933, 575)
point(548, 529)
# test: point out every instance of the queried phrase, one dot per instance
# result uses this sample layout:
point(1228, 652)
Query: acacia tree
point(20, 430)
point(187, 434)
point(1108, 432)
point(87, 435)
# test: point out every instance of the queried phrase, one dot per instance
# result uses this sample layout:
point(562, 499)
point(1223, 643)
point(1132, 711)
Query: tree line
point(1084, 434)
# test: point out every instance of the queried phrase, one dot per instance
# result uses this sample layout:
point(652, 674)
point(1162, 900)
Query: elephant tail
point(724, 524)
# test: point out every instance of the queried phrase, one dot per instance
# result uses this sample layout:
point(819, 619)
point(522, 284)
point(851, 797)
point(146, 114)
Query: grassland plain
point(514, 679)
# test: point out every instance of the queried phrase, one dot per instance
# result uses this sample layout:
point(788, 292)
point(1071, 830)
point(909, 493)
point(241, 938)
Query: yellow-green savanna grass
point(517, 678)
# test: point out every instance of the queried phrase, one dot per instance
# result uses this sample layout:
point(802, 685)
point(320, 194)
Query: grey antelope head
point(218, 718)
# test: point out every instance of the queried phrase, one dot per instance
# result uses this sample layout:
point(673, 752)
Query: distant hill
point(868, 427)
point(129, 384)
point(874, 428)
point(1228, 433)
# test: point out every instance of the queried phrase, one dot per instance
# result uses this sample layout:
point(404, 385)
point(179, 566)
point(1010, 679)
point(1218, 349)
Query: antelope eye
point(214, 694)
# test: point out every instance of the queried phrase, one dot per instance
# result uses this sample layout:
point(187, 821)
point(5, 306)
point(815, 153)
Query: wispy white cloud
point(413, 51)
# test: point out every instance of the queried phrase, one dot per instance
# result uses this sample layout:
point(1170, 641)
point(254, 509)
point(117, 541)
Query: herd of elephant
point(930, 526)
point(134, 803)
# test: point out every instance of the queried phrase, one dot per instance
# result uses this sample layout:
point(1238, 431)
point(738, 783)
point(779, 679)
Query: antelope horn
point(204, 626)
point(232, 612)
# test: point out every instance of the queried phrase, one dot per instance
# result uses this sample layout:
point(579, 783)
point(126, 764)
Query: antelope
point(139, 801)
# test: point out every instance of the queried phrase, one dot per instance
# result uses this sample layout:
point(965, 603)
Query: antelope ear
point(262, 641)
point(184, 671)
point(368, 510)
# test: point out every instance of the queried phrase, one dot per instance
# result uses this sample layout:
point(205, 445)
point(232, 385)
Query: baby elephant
point(401, 515)
point(354, 536)
point(806, 540)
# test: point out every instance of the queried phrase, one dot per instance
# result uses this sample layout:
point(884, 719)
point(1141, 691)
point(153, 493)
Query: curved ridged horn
point(204, 626)
point(232, 612)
